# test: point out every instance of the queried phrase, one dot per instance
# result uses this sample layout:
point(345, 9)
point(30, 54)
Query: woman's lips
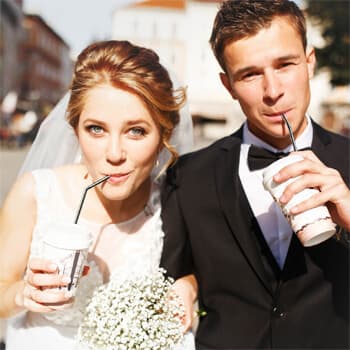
point(117, 178)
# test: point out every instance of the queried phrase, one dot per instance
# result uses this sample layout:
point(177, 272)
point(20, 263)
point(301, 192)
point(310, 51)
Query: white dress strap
point(44, 186)
point(50, 205)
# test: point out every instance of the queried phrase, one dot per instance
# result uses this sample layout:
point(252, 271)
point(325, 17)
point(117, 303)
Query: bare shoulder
point(17, 220)
point(19, 205)
point(22, 190)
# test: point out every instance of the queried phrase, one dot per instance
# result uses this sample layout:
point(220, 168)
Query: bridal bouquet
point(140, 312)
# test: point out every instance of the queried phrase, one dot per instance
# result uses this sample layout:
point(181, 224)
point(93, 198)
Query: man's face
point(268, 74)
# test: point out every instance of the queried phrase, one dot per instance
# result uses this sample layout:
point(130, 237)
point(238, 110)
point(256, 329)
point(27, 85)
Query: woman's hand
point(187, 289)
point(333, 192)
point(39, 292)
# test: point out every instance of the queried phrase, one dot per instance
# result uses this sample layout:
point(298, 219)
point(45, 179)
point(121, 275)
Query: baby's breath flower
point(141, 312)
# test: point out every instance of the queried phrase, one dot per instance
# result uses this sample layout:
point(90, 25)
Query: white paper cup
point(312, 226)
point(67, 246)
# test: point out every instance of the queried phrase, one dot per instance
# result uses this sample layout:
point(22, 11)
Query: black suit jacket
point(250, 303)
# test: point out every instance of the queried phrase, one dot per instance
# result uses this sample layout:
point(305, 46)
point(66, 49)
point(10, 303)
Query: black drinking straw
point(77, 253)
point(290, 132)
point(84, 195)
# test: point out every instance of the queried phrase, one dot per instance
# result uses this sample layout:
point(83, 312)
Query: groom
point(260, 287)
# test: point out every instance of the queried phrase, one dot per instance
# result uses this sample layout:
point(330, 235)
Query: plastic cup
point(312, 226)
point(67, 245)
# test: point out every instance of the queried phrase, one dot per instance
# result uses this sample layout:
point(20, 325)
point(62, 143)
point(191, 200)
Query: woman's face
point(118, 137)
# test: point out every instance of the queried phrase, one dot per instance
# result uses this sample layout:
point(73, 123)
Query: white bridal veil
point(56, 143)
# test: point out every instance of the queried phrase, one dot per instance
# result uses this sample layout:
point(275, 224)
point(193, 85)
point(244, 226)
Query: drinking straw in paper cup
point(77, 253)
point(312, 226)
point(67, 244)
point(62, 243)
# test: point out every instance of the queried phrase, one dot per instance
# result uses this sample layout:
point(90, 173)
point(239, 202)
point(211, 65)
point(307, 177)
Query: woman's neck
point(123, 210)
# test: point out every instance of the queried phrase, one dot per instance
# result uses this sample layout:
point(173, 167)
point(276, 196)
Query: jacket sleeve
point(176, 257)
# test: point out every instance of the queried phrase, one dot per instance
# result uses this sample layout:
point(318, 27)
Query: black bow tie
point(259, 158)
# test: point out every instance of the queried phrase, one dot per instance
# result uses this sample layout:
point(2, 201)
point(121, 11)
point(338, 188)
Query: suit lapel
point(320, 140)
point(232, 201)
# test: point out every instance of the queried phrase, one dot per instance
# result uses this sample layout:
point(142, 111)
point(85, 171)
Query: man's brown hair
point(237, 19)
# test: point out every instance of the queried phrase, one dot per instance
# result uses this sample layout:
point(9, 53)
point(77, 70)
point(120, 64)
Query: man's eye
point(250, 75)
point(137, 131)
point(286, 64)
point(95, 129)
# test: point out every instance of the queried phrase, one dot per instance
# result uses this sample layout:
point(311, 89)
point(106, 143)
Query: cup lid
point(277, 165)
point(67, 235)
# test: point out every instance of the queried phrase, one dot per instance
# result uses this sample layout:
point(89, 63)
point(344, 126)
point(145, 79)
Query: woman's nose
point(272, 87)
point(115, 152)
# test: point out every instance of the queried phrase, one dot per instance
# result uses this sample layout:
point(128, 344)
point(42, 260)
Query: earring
point(156, 165)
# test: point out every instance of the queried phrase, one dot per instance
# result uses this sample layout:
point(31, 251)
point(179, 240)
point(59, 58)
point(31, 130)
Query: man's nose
point(272, 87)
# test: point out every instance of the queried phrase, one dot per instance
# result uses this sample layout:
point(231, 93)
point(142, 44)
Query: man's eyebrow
point(288, 57)
point(243, 70)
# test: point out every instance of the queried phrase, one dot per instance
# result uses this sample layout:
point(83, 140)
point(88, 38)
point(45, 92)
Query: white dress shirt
point(273, 224)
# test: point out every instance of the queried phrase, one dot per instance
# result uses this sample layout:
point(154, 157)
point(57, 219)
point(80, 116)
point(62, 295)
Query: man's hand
point(333, 192)
point(187, 289)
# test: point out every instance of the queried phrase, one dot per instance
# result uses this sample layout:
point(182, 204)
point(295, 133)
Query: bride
point(124, 113)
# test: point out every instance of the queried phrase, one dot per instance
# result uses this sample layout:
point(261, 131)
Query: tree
point(332, 17)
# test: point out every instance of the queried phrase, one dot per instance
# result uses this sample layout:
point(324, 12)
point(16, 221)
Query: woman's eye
point(95, 129)
point(137, 131)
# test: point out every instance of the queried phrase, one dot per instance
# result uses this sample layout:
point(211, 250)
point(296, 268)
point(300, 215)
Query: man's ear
point(226, 82)
point(310, 61)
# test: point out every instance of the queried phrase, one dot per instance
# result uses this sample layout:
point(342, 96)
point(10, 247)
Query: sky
point(78, 22)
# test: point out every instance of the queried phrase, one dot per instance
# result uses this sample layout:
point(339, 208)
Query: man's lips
point(274, 117)
point(276, 114)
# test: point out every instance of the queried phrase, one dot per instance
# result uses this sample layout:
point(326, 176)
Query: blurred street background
point(40, 39)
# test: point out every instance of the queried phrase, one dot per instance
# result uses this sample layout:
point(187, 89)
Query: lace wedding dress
point(131, 246)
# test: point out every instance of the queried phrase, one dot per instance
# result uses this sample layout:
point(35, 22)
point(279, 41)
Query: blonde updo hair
point(126, 66)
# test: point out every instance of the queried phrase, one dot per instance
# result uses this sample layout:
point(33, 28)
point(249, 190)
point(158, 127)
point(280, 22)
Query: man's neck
point(304, 139)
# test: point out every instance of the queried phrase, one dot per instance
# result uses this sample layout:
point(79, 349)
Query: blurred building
point(329, 105)
point(35, 61)
point(35, 70)
point(11, 33)
point(179, 31)
point(336, 110)
point(46, 62)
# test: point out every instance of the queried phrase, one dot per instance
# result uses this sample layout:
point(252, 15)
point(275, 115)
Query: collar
point(304, 140)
